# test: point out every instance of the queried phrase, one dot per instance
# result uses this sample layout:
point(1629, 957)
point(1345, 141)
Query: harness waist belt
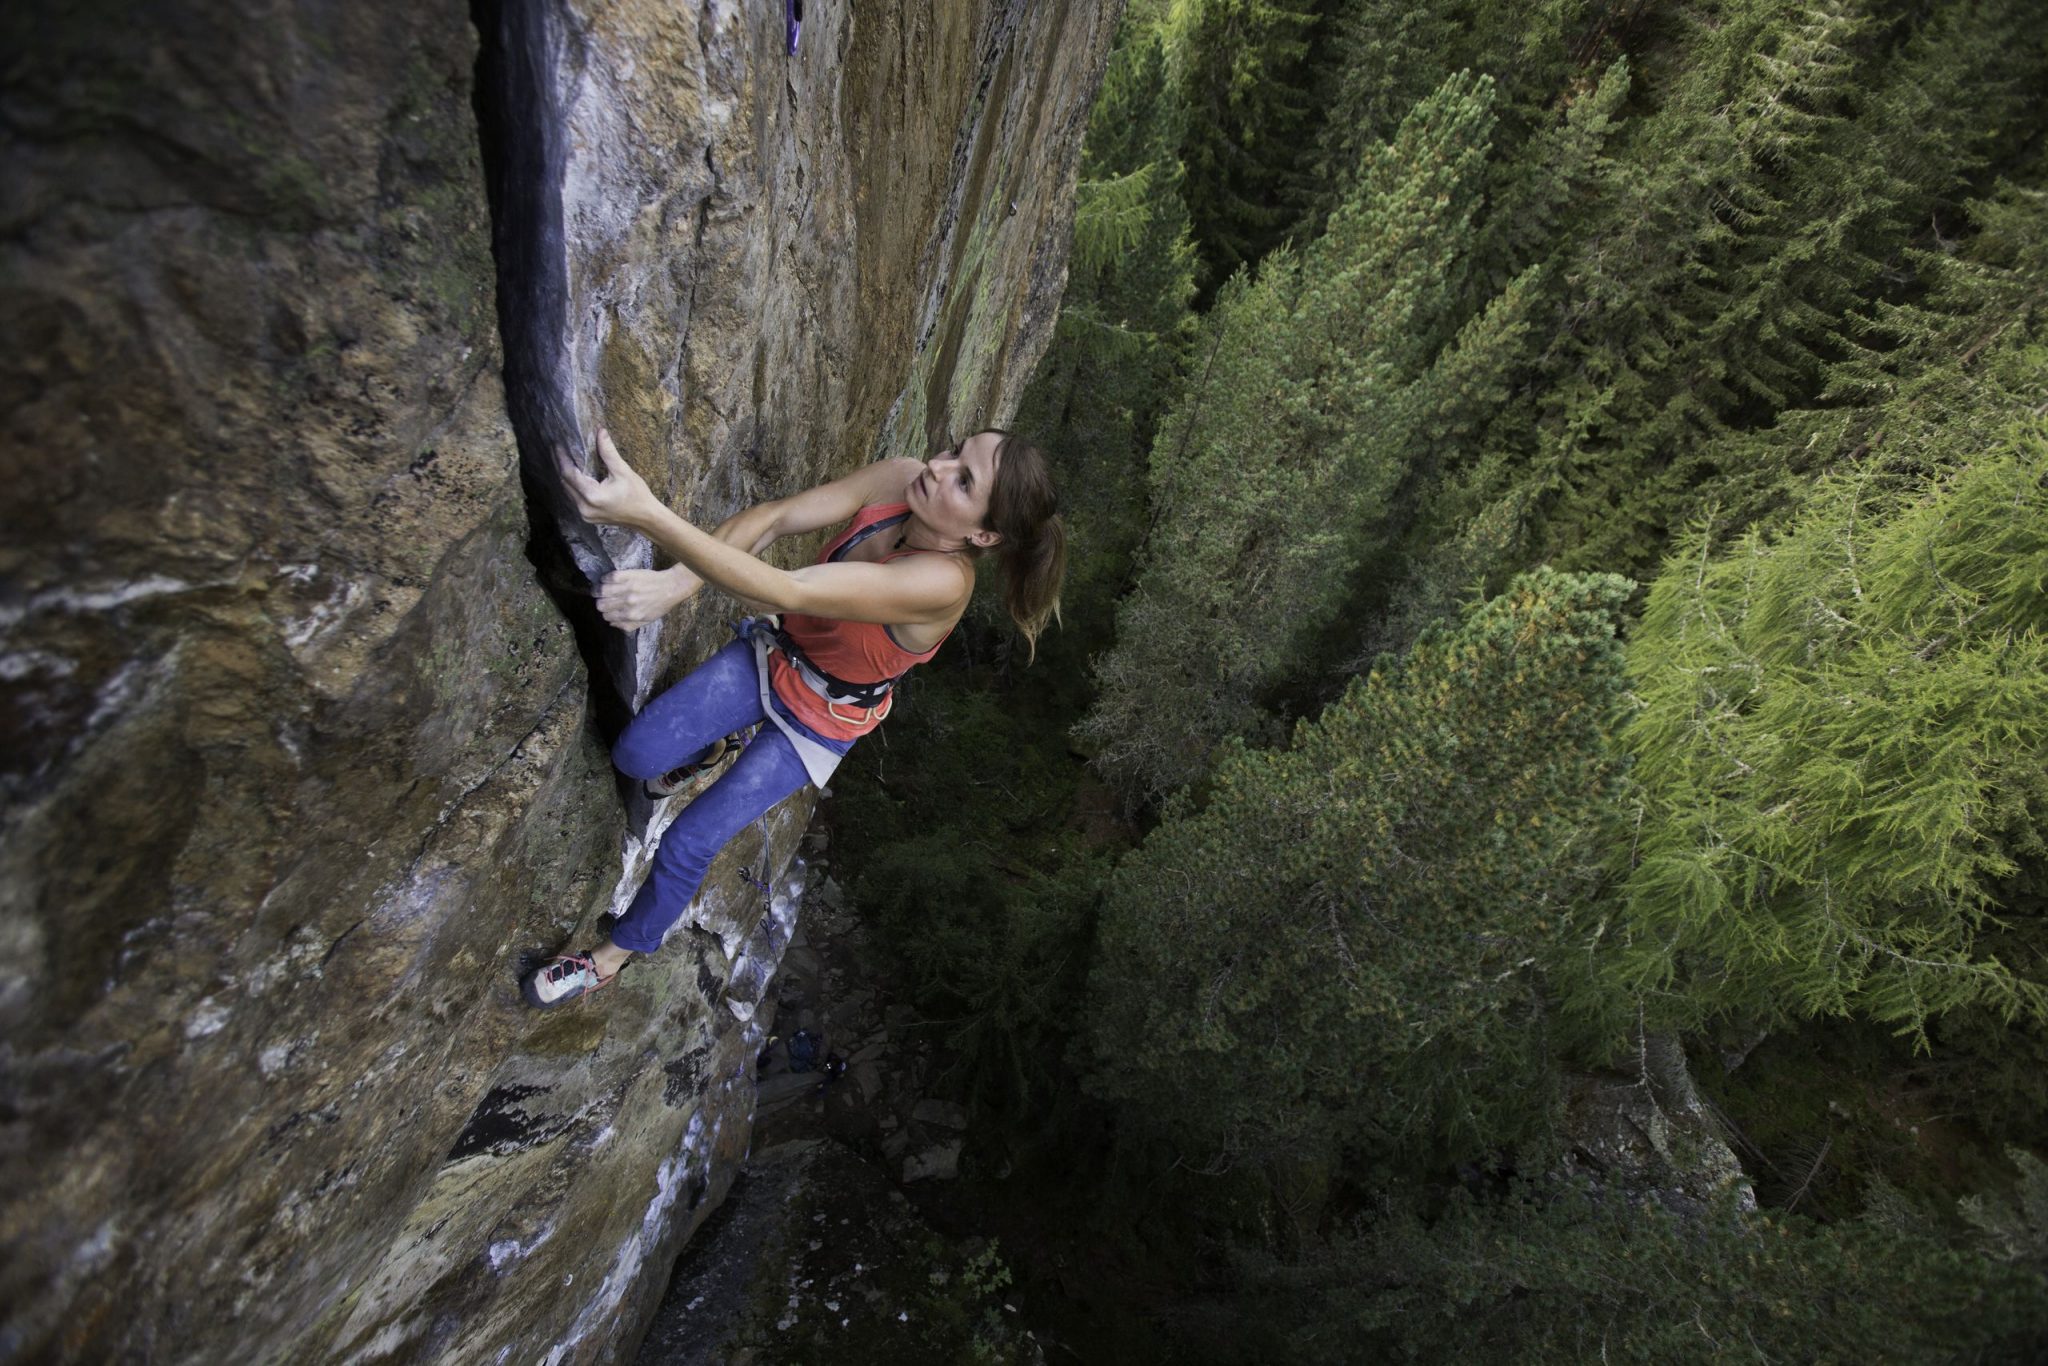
point(835, 690)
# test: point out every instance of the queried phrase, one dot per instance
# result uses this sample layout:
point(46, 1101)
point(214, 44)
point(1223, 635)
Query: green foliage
point(1111, 214)
point(1468, 529)
point(1831, 1111)
point(1700, 235)
point(1537, 194)
point(1567, 1275)
point(1387, 55)
point(1314, 389)
point(1735, 237)
point(1343, 945)
point(1966, 358)
point(931, 1301)
point(1842, 740)
point(1993, 1069)
point(961, 1315)
point(1123, 324)
point(1774, 271)
point(957, 847)
point(1746, 227)
point(1245, 77)
point(2015, 1229)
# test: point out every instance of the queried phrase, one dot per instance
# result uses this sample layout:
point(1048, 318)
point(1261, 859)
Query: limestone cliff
point(305, 705)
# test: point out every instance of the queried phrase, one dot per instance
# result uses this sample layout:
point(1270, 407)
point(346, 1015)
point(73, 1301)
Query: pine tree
point(1343, 945)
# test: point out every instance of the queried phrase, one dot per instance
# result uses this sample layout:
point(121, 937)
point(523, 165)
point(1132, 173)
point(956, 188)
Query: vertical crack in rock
point(523, 135)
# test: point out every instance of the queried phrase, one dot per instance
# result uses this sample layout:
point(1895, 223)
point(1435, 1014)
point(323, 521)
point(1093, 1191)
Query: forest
point(1556, 647)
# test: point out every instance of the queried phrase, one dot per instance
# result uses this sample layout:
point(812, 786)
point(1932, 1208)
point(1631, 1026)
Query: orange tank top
point(857, 651)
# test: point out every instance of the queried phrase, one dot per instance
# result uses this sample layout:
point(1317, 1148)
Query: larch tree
point(1842, 749)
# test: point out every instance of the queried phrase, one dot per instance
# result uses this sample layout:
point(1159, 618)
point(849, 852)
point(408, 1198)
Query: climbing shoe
point(561, 979)
point(689, 775)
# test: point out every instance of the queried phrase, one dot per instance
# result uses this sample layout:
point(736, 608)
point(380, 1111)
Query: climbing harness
point(819, 761)
point(872, 697)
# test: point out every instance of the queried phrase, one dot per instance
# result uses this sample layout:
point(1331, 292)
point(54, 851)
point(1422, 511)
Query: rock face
point(1650, 1136)
point(305, 705)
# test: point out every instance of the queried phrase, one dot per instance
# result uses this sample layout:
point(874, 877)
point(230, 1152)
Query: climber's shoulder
point(830, 504)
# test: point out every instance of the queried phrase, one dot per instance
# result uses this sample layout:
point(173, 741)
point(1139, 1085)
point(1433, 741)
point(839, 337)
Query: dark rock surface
point(879, 1100)
point(819, 1254)
point(304, 712)
point(1650, 1135)
point(816, 1257)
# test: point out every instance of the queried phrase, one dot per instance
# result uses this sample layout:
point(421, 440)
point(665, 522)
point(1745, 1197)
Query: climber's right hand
point(632, 598)
point(621, 498)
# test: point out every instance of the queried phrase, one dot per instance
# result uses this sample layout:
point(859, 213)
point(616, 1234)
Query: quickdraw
point(759, 885)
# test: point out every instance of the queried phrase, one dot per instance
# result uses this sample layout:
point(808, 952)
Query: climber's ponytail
point(1025, 510)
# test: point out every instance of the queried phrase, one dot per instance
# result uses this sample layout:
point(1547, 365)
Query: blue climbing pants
point(720, 696)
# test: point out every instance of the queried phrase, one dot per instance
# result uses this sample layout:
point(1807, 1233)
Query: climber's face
point(951, 496)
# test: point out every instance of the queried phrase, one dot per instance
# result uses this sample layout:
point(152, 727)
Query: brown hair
point(1024, 510)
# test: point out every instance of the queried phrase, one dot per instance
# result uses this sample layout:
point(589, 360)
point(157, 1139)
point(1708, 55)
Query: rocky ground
point(818, 1254)
point(833, 987)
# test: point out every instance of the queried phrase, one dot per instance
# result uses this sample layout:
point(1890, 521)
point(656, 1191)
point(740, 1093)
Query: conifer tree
point(1245, 80)
point(1842, 748)
point(1537, 195)
point(1746, 229)
point(1343, 945)
point(1568, 1275)
point(1124, 322)
point(1313, 389)
point(1956, 366)
point(1469, 529)
point(1387, 56)
point(1731, 277)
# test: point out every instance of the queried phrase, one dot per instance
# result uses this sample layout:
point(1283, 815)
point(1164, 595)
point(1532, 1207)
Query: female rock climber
point(882, 596)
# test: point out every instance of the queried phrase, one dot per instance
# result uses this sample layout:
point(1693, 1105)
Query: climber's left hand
point(622, 498)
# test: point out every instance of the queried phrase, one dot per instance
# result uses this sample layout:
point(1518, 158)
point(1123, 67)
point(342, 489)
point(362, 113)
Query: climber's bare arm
point(631, 598)
point(830, 504)
point(921, 590)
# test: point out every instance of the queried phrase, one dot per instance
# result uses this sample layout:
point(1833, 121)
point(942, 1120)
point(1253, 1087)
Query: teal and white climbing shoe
point(563, 979)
